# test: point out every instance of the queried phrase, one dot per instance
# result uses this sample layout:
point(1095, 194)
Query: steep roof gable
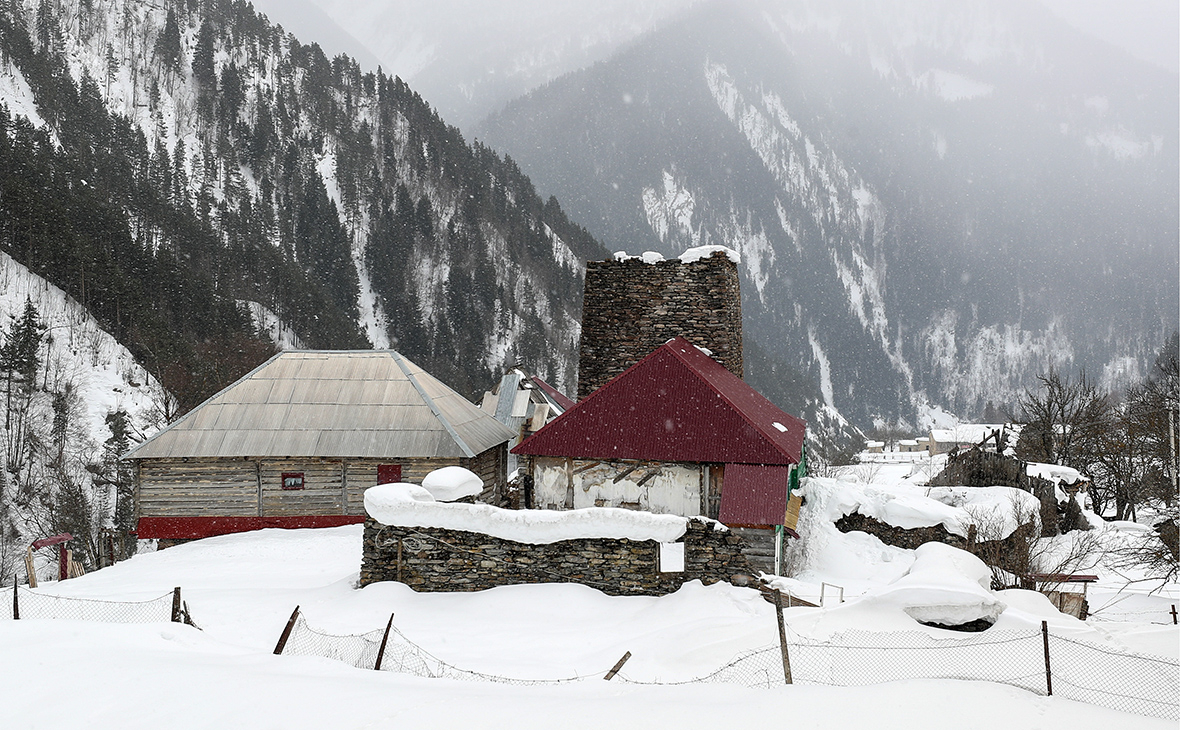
point(331, 404)
point(676, 404)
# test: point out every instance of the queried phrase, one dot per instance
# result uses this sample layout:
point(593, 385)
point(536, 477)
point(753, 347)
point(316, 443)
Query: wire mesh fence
point(1166, 616)
point(1079, 670)
point(1091, 673)
point(399, 654)
point(855, 658)
point(759, 668)
point(33, 604)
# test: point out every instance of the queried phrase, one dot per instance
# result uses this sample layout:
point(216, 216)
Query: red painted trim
point(190, 528)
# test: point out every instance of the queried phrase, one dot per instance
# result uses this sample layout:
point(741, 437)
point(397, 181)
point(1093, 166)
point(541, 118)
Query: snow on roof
point(1055, 473)
point(408, 505)
point(452, 482)
point(971, 433)
point(647, 257)
point(693, 254)
point(945, 585)
point(701, 252)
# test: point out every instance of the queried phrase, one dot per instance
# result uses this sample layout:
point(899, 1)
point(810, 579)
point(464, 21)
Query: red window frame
point(293, 481)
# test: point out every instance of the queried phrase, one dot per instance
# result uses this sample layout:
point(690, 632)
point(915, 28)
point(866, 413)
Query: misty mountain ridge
point(934, 202)
point(293, 191)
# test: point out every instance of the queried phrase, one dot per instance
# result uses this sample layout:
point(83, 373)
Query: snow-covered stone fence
point(437, 546)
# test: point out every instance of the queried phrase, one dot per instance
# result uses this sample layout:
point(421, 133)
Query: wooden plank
point(618, 665)
point(792, 517)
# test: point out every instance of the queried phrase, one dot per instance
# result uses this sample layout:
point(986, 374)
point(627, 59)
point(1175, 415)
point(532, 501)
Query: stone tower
point(631, 307)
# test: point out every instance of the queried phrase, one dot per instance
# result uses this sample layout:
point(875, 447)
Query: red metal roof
point(754, 495)
point(676, 404)
point(555, 394)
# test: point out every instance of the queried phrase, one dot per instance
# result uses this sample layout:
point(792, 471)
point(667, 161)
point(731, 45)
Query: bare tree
point(888, 434)
point(1064, 421)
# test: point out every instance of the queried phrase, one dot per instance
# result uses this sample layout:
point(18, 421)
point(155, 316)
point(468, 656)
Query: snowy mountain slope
point(101, 373)
point(65, 418)
point(935, 201)
point(335, 199)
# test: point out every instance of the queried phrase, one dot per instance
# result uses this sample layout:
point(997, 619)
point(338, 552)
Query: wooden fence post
point(782, 636)
point(176, 605)
point(16, 599)
point(1173, 614)
point(384, 640)
point(30, 570)
point(287, 631)
point(618, 665)
point(1048, 673)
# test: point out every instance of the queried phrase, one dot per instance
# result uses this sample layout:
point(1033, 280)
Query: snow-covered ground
point(241, 589)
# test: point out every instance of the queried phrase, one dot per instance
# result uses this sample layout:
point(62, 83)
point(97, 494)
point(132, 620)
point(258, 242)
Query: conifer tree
point(168, 50)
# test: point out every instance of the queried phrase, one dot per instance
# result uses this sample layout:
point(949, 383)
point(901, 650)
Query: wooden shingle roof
point(331, 404)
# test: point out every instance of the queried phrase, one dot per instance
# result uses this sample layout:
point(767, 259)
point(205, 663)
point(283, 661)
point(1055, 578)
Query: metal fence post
point(16, 598)
point(287, 631)
point(1048, 673)
point(384, 640)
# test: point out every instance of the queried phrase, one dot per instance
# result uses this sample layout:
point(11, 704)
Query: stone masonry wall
point(630, 308)
point(435, 559)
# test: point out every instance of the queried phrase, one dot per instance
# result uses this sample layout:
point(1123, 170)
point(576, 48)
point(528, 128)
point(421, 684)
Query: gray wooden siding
point(230, 487)
point(218, 488)
point(322, 488)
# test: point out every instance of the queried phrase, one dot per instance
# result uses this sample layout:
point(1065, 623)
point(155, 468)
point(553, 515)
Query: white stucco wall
point(675, 489)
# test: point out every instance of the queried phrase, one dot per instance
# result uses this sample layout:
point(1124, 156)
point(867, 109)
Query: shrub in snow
point(452, 482)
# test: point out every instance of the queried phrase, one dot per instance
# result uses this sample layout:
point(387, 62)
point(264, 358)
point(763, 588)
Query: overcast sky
point(1148, 29)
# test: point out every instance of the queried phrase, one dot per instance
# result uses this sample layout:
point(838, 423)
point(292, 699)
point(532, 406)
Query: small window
point(292, 480)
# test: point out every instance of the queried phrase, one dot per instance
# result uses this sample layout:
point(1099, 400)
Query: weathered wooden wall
point(251, 487)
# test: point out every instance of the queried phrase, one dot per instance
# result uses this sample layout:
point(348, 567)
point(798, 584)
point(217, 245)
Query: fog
point(469, 57)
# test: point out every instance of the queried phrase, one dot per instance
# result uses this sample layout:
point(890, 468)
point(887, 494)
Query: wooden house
point(677, 433)
point(967, 435)
point(296, 442)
